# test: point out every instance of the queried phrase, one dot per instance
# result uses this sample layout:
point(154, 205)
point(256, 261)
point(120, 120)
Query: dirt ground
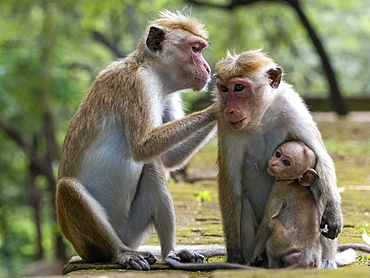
point(199, 220)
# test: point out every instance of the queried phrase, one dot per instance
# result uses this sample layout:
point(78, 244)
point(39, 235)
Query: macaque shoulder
point(288, 111)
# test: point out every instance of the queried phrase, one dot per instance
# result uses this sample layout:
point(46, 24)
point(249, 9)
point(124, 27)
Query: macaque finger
point(137, 264)
point(149, 257)
point(190, 257)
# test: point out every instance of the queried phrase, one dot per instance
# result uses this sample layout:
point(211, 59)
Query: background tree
point(337, 99)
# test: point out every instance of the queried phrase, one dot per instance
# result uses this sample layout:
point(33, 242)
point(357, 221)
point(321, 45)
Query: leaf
point(365, 236)
point(204, 196)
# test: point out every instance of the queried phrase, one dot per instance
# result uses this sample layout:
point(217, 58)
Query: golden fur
point(179, 21)
point(240, 65)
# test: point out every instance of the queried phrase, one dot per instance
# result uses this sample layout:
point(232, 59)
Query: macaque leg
point(276, 243)
point(152, 205)
point(273, 263)
point(329, 250)
point(78, 211)
point(249, 226)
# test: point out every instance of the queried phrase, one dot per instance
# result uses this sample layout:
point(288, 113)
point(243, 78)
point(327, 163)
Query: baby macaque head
point(293, 160)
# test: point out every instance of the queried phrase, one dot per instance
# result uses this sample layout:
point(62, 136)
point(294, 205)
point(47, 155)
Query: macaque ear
point(155, 38)
point(274, 76)
point(308, 178)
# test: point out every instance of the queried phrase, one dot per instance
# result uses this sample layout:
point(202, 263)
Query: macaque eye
point(278, 154)
point(286, 162)
point(239, 87)
point(224, 89)
point(196, 47)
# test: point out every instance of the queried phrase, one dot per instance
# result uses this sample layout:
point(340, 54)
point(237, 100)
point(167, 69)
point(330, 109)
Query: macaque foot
point(255, 260)
point(186, 256)
point(328, 264)
point(136, 260)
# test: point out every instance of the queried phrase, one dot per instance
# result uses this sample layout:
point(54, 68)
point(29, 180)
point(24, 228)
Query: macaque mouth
point(270, 171)
point(234, 123)
point(204, 80)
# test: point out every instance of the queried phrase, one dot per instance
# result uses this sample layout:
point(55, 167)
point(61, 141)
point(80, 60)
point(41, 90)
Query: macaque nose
point(231, 112)
point(208, 69)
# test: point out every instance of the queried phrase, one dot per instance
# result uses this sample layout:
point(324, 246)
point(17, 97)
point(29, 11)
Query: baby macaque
point(290, 230)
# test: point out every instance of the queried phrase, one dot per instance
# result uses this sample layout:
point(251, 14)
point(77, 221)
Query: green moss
point(200, 222)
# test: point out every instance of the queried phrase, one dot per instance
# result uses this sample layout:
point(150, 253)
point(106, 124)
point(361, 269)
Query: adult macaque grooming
point(258, 112)
point(289, 231)
point(126, 132)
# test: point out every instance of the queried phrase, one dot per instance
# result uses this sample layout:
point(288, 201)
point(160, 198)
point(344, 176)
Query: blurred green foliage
point(50, 51)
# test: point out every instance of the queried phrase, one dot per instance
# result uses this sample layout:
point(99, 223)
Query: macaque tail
point(345, 257)
point(357, 246)
point(346, 252)
point(203, 267)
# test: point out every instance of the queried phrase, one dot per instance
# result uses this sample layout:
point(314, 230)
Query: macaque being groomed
point(257, 113)
point(289, 231)
point(128, 130)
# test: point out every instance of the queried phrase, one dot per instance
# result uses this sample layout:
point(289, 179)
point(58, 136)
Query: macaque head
point(244, 84)
point(293, 160)
point(175, 43)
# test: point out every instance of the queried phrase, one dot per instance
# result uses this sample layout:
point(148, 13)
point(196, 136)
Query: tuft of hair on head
point(178, 20)
point(238, 65)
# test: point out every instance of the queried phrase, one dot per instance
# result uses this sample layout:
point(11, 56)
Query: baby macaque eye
point(239, 87)
point(224, 89)
point(196, 47)
point(278, 154)
point(286, 162)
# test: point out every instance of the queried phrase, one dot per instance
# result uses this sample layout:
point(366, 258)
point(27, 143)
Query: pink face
point(202, 69)
point(238, 95)
point(289, 161)
point(281, 165)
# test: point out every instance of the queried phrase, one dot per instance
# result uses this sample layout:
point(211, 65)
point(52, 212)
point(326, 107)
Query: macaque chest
point(257, 183)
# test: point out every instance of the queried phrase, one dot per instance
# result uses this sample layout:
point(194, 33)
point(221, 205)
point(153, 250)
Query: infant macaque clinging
point(290, 229)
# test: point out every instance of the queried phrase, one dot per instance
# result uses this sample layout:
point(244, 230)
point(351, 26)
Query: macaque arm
point(326, 185)
point(181, 153)
point(272, 210)
point(147, 142)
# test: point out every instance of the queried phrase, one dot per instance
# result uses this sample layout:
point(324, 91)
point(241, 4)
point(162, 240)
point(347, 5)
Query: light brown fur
point(289, 230)
point(124, 136)
point(242, 64)
point(182, 22)
point(257, 113)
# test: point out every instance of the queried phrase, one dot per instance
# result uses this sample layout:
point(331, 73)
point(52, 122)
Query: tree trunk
point(34, 199)
point(51, 17)
point(338, 102)
point(336, 97)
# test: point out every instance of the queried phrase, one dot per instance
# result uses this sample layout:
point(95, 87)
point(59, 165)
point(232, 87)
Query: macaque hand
point(186, 256)
point(331, 221)
point(136, 261)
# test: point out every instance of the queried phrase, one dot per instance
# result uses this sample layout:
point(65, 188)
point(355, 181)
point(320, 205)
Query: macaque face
point(201, 69)
point(185, 62)
point(238, 94)
point(181, 56)
point(289, 161)
point(241, 86)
